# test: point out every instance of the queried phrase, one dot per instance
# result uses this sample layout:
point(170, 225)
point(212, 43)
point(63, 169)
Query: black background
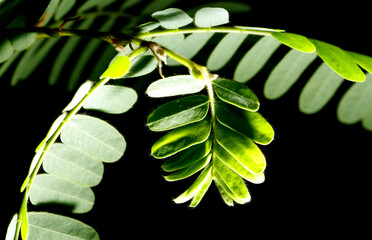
point(317, 178)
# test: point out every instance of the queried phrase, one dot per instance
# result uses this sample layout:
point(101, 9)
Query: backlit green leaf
point(236, 166)
point(200, 194)
point(79, 95)
point(51, 226)
point(320, 88)
point(172, 18)
point(142, 65)
point(225, 197)
point(362, 60)
point(253, 61)
point(236, 93)
point(111, 99)
point(181, 138)
point(295, 41)
point(188, 156)
point(241, 148)
point(224, 50)
point(339, 60)
point(232, 180)
point(95, 137)
point(211, 17)
point(68, 162)
point(173, 86)
point(190, 170)
point(251, 124)
point(6, 49)
point(178, 113)
point(287, 72)
point(49, 189)
point(22, 41)
point(117, 68)
point(11, 231)
point(356, 102)
point(225, 188)
point(204, 177)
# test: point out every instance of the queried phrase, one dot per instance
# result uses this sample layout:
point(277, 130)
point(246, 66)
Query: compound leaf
point(178, 113)
point(339, 60)
point(236, 93)
point(49, 189)
point(287, 72)
point(172, 18)
point(94, 136)
point(319, 89)
point(181, 138)
point(111, 99)
point(51, 226)
point(173, 86)
point(295, 41)
point(210, 17)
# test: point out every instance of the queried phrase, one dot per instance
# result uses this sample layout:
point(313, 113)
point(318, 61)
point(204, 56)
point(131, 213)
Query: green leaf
point(117, 68)
point(64, 7)
point(356, 102)
point(362, 60)
point(142, 65)
point(79, 95)
point(236, 166)
point(287, 72)
point(172, 18)
point(191, 46)
point(188, 156)
point(49, 189)
point(298, 42)
point(236, 93)
point(253, 61)
point(190, 170)
point(250, 124)
point(241, 148)
point(339, 60)
point(200, 194)
point(367, 120)
point(225, 188)
point(322, 85)
point(51, 226)
point(232, 180)
point(225, 197)
point(224, 50)
point(68, 162)
point(211, 17)
point(12, 228)
point(203, 178)
point(181, 138)
point(173, 86)
point(111, 99)
point(23, 41)
point(178, 113)
point(95, 137)
point(6, 49)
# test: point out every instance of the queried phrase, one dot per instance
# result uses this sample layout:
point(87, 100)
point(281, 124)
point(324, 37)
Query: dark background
point(317, 178)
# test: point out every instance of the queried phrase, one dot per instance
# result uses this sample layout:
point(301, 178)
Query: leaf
point(200, 194)
point(188, 156)
point(295, 41)
point(356, 102)
point(211, 17)
point(362, 60)
point(51, 226)
point(250, 124)
point(141, 66)
point(172, 18)
point(12, 228)
point(79, 95)
point(178, 113)
point(68, 162)
point(6, 49)
point(225, 188)
point(286, 73)
point(233, 181)
point(49, 189)
point(236, 166)
point(253, 61)
point(63, 8)
point(111, 99)
point(340, 61)
point(204, 177)
point(224, 50)
point(95, 137)
point(117, 68)
point(322, 85)
point(225, 197)
point(173, 86)
point(241, 148)
point(236, 93)
point(23, 41)
point(181, 138)
point(190, 170)
point(367, 120)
